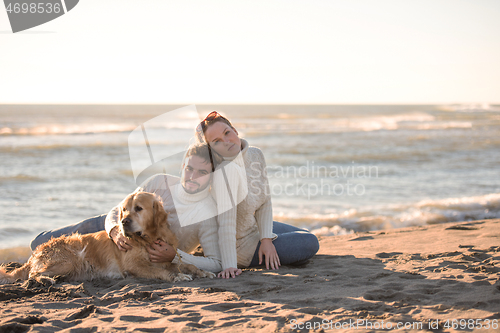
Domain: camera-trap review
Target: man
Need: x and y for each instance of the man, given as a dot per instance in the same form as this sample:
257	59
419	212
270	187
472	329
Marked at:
191	215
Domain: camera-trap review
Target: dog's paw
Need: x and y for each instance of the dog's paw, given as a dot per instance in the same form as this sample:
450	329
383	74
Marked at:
209	275
38	281
183	277
46	281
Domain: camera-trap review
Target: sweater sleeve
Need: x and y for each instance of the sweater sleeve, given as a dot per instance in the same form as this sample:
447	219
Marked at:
205	263
264	214
112	219
264	217
208	237
224	195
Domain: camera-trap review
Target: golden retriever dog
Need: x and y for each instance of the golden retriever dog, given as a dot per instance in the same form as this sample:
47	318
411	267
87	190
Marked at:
84	257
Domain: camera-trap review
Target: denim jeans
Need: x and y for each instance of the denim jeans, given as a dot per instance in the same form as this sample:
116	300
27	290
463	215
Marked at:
294	245
93	224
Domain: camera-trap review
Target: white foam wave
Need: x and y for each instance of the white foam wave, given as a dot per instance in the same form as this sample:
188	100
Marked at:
58	129
444	125
282	123
336	230
464	202
472	107
399	215
55	129
416	121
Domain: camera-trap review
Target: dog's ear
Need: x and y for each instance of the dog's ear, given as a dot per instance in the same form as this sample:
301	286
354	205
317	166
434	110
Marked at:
159	214
120	211
160	222
124	204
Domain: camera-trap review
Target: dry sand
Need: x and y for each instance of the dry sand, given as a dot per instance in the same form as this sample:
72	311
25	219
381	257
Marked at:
412	275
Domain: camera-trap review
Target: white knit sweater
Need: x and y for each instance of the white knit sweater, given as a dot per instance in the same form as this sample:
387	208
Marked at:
179	204
242	226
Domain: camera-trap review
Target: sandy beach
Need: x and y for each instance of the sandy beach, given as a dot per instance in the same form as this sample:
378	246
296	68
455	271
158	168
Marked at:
441	277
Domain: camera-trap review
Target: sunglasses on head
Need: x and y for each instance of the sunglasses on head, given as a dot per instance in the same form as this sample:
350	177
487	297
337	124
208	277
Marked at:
211	116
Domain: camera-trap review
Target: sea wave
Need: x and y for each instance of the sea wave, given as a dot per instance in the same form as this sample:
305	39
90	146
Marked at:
9	232
87	128
56	129
411	121
57	145
281	123
473	107
20	178
399	215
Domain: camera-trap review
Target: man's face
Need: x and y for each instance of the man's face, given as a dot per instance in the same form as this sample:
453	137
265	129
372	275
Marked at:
195	174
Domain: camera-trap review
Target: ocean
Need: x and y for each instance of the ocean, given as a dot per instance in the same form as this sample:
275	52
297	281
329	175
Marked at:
333	169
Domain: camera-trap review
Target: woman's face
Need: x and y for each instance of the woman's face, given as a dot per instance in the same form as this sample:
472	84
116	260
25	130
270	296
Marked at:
223	139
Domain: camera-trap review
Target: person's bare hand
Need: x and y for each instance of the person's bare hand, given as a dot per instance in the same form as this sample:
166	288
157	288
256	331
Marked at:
268	250
229	272
120	240
160	251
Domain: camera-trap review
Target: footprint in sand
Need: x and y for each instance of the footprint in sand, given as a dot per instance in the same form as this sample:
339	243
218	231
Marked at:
225	307
138	319
385	255
362	238
82	313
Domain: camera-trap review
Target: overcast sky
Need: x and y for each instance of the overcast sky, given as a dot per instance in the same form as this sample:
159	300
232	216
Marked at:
323	51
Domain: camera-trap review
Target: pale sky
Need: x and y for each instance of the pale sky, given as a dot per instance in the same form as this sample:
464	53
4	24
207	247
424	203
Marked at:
285	52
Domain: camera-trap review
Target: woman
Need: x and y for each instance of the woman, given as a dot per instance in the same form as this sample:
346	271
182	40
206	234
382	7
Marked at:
247	232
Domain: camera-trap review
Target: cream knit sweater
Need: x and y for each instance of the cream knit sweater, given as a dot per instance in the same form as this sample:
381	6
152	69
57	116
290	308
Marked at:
181	205
241	189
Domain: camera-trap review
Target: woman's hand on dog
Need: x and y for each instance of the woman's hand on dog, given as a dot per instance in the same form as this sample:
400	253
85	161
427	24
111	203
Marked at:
160	251
120	240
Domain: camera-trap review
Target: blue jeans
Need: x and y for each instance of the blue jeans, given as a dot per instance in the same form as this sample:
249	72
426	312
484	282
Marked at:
294	245
93	224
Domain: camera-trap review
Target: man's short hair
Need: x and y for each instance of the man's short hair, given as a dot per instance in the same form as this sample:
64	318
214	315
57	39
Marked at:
202	150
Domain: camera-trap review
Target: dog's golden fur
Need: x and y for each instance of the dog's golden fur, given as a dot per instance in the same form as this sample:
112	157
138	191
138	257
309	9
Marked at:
84	257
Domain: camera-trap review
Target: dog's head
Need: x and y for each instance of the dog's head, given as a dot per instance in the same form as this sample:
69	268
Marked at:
142	218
